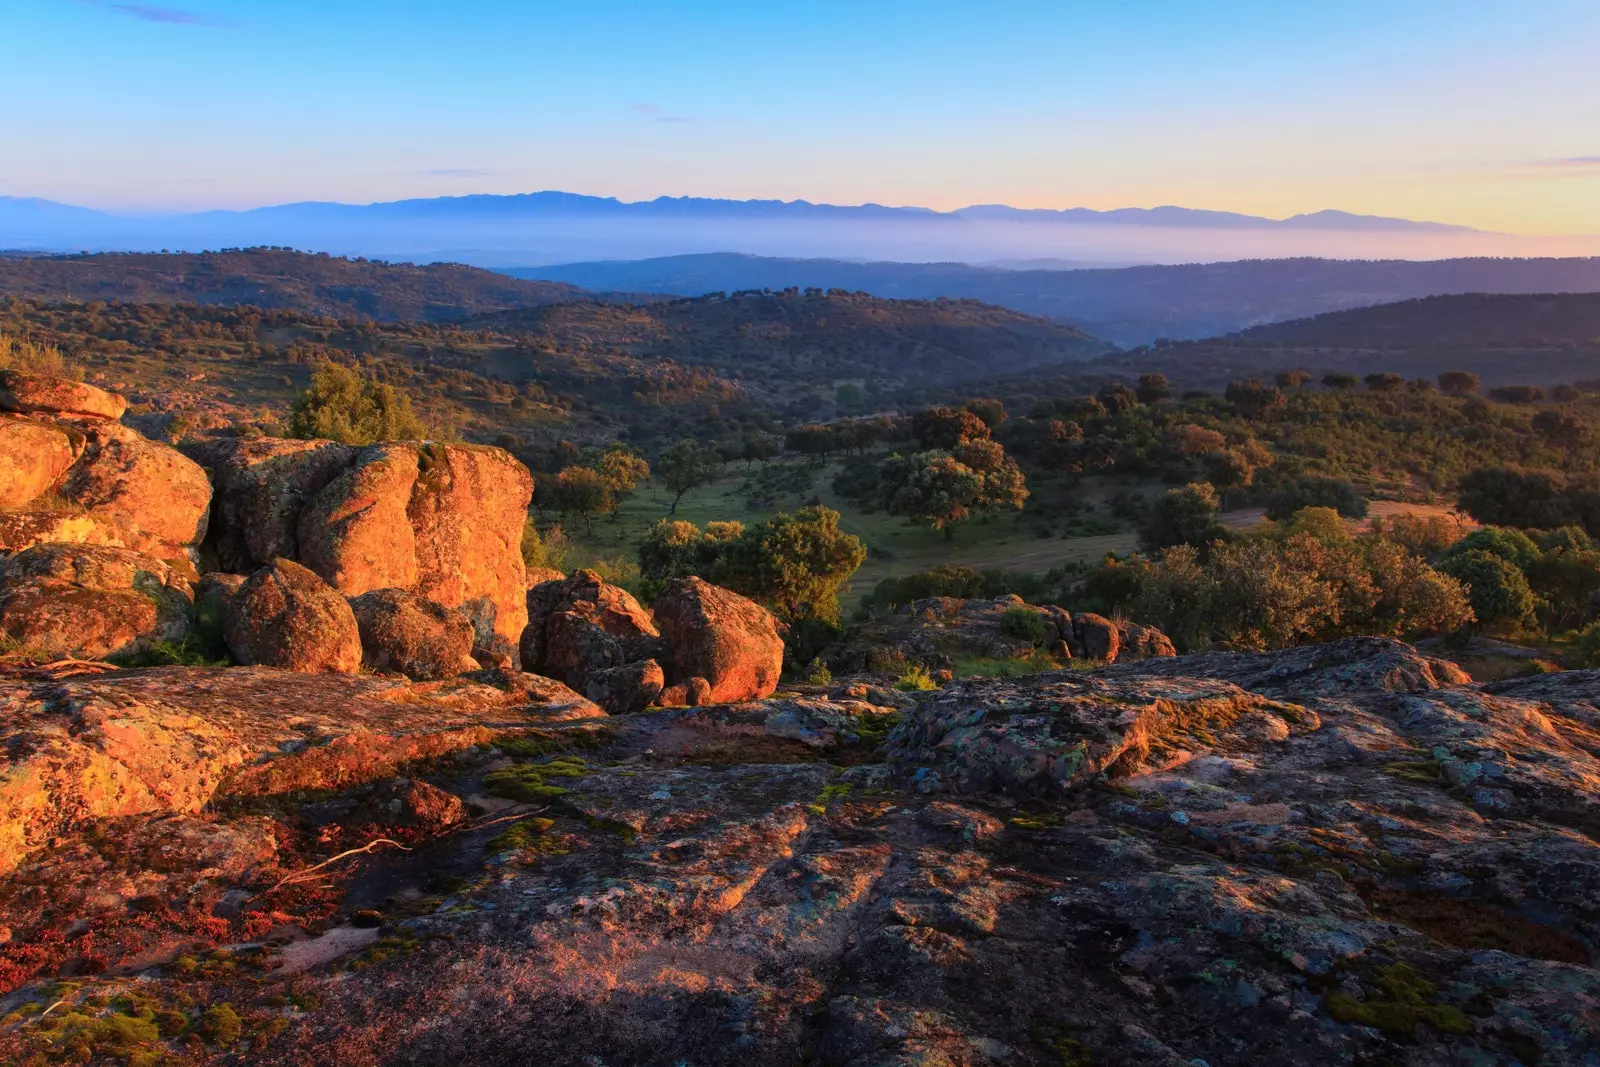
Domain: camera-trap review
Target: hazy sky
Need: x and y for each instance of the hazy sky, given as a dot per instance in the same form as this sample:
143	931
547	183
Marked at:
1479	112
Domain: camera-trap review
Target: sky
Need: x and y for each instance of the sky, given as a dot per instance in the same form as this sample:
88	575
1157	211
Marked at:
1475	112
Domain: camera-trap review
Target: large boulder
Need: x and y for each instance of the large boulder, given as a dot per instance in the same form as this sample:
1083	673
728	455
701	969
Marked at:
468	509
581	624
629	687
33	457
35	394
91	601
356	532
158	497
443	520
261	485
1098	636
285	616
404	633
1143	642
716	634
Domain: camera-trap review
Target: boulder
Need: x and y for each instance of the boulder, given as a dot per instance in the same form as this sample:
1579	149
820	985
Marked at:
540	575
33	457
404	633
575	647
159	498
285	616
630	687
261	485
1098	636
1143	642
91	601
408	804
356	533
1065	730
615	628
35	394
688	694
468	510
21	530
715	634
444	521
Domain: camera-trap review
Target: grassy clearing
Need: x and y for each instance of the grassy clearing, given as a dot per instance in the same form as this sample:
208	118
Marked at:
896	548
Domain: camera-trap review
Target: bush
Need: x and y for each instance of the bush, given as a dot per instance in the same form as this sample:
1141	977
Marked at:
1513	546
29	357
1190	515
1496	588
915	679
795	564
1317	492
342	405
1024	624
1586	647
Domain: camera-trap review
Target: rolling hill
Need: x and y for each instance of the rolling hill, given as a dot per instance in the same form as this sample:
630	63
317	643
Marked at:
1472	319
278	278
810	338
1127	306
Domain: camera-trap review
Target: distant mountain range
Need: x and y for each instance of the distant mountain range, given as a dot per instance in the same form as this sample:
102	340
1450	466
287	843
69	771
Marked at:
1127	306
556	227
18	212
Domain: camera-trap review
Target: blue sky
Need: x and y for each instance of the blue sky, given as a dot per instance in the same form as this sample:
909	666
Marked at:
1479	112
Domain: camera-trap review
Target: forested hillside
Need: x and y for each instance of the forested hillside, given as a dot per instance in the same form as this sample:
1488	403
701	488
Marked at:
1128	306
1488	320
278	278
790	336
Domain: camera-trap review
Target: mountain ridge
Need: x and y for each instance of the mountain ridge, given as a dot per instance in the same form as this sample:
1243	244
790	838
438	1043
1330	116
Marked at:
557	202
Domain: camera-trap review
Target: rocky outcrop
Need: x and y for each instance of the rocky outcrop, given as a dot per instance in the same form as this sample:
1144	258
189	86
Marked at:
158	498
1325	856
625	688
404	633
69	473
261	486
170	739
1097	635
33	457
34	394
91	601
285	616
582	625
716	634
443	521
1142	642
935	631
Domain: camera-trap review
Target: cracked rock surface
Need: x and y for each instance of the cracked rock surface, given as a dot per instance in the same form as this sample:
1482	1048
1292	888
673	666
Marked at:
1341	855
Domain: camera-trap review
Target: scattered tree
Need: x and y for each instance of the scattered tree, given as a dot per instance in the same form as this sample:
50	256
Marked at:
686	466
342	405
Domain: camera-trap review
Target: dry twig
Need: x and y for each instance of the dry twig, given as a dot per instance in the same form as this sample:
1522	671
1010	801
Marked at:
298	876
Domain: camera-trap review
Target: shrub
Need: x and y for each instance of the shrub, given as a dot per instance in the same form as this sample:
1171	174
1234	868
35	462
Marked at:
1024	624
342	405
914	679
29	357
1586	647
1496	588
1189	515
1513	546
795	564
1317	492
